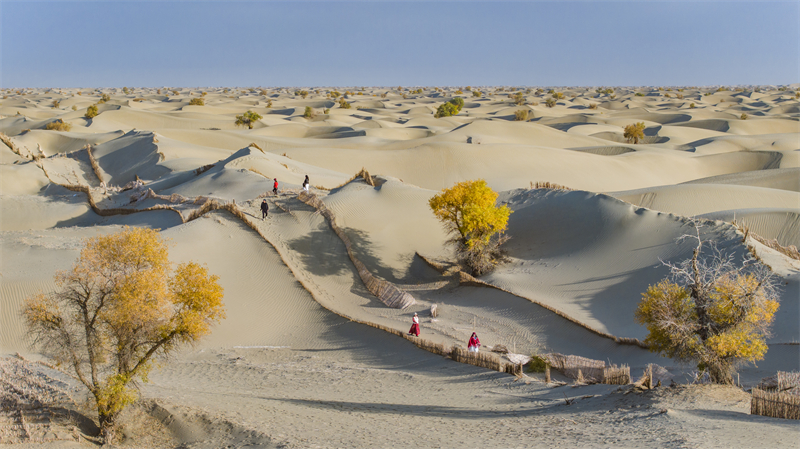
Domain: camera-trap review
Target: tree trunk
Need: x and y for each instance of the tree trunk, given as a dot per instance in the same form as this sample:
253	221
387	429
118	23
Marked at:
107	422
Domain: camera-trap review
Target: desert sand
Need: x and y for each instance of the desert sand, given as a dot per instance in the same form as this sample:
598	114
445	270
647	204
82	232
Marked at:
295	365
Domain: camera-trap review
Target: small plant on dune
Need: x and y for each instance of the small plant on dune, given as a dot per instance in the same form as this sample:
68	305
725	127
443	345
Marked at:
309	113
335	93
797	95
74	108
117	311
175	92
679	96
79	93
476	93
326	111
639	94
269	103
383	95
711	311
203	94
459	92
55	104
550	102
691	106
476	224
247	119
468	88
666	96
58	125
613	96
91	112
592	105
449	108
197	102
344	104
519	99
558	96
158	91
302	93
104	98
125	90
521	115
634	132
743	116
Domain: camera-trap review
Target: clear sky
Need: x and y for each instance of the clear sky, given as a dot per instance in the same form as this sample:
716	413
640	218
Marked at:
270	43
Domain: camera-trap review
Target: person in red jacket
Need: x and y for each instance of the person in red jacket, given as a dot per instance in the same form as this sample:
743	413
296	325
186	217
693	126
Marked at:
275	186
474	343
414	326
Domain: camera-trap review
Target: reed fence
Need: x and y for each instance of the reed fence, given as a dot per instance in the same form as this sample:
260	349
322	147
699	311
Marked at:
775	404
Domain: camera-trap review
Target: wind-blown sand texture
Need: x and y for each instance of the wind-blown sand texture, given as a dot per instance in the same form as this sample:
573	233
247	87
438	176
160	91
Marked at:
316	294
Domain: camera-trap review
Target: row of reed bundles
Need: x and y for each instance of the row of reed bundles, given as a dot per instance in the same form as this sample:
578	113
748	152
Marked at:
775	404
384	290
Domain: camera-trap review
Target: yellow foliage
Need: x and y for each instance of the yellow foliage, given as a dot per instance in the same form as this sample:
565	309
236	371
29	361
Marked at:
469	209
634	132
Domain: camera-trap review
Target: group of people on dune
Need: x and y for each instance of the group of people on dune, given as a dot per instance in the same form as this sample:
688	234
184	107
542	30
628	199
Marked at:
472	345
265	206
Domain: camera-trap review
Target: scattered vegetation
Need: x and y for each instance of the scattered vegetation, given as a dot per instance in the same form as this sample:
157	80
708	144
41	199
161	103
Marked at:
55	104
521	115
634	132
58	125
309	113
711	311
519	99
743	116
639	94
344	104
592	105
91	111
691	106
117	310
197	102
302	93
558	95
269	103
550	102
475	223
247	119
74	108
476	93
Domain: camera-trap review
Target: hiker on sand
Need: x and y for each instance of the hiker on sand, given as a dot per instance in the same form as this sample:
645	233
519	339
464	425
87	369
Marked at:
474	343
414	327
264	209
305	184
275	186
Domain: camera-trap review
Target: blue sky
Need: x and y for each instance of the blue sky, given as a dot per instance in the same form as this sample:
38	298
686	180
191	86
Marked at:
268	43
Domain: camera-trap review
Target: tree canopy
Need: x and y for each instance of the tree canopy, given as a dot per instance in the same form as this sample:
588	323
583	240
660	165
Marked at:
117	309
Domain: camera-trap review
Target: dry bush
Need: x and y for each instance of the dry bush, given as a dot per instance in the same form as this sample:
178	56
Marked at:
309	113
344	104
592	105
55	104
634	132
548	185
691	105
91	112
58	125
743	116
521	115
558	95
550	102
197	102
247	119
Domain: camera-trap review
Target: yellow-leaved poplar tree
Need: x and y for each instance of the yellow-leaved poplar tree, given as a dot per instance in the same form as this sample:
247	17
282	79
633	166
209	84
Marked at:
119	308
712	311
634	132
476	224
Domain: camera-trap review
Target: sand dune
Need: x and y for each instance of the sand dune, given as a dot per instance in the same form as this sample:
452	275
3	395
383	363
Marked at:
291	362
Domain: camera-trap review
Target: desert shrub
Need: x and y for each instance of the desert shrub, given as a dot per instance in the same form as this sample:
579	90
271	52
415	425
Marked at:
247	119
711	311
743	116
592	105
691	105
197	102
666	96
537	364
203	94
105	97
634	132
613	96
797	95
459	92
335	93
550	102
117	310
269	103
476	93
309	113
126	91
475	223
55	104
639	94
679	96
175	92
558	96
519	99
344	104
468	88
521	115
79	93
326	111
302	93
74	108
446	109
91	112
58	125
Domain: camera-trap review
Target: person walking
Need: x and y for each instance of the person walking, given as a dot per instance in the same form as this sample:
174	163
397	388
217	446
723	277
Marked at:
415	326
264	209
275	186
474	343
305	184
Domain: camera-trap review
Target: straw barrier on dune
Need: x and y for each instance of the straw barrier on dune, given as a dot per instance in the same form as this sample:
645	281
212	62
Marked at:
387	292
777	396
467	279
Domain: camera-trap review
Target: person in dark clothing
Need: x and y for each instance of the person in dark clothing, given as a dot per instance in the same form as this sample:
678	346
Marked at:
275	186
305	184
264	209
